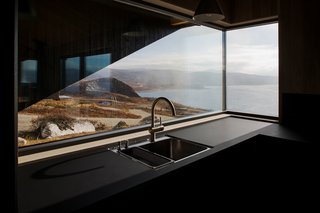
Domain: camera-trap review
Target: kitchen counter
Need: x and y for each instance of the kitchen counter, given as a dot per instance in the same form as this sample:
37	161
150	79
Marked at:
59	180
220	131
66	183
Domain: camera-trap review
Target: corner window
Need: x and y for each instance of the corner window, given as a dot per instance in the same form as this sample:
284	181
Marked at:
99	78
252	70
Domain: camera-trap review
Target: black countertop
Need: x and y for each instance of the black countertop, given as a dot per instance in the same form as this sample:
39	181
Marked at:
65	183
58	180
217	132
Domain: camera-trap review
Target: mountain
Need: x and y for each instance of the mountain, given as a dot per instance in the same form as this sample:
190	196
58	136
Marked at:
250	79
144	80
98	87
158	79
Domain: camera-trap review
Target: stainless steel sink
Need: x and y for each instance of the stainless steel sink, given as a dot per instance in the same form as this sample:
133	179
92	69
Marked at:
164	152
175	149
146	157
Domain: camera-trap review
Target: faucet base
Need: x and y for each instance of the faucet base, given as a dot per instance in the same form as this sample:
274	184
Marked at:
153	131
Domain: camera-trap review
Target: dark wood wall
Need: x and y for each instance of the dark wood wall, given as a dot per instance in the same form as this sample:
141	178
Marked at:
243	11
53	30
299	64
299	47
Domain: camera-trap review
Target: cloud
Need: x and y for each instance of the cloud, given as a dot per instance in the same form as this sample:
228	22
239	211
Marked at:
190	49
257	59
249	50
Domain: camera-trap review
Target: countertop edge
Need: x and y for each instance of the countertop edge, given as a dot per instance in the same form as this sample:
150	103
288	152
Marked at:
104	192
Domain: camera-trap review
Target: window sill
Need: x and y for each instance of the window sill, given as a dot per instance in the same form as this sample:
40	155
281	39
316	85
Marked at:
98	143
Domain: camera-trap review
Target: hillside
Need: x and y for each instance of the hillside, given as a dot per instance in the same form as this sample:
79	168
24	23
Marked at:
98	87
157	79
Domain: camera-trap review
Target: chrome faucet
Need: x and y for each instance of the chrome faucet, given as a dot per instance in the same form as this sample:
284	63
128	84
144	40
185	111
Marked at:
153	129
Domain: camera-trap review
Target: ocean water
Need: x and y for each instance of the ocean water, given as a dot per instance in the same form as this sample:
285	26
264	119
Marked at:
257	99
207	98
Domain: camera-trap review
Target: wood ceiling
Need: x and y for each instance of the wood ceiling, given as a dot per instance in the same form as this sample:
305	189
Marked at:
237	12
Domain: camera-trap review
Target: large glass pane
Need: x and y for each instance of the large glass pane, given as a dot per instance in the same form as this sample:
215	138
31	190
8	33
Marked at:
80	92
184	67
252	70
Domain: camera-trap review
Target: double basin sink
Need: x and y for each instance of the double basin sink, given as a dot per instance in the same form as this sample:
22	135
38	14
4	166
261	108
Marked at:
163	152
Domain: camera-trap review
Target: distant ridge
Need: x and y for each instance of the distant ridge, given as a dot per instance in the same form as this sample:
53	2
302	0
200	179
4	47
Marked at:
99	86
165	79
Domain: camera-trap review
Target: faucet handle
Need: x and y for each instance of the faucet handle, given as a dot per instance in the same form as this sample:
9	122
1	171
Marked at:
120	145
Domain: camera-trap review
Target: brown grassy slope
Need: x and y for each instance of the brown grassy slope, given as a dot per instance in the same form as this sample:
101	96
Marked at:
83	110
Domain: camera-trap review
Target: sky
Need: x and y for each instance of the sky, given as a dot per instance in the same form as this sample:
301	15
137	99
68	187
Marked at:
190	49
253	50
198	48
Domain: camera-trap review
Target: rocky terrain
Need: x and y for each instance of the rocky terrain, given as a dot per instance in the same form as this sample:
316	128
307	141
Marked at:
87	107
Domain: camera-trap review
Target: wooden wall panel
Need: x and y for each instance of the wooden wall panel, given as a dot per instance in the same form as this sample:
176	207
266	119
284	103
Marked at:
299	61
252	10
60	29
299	47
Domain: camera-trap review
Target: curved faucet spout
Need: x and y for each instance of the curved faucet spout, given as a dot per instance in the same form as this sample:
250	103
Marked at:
154	129
153	108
